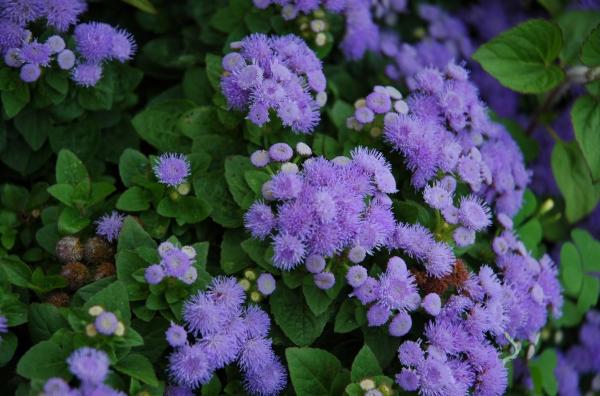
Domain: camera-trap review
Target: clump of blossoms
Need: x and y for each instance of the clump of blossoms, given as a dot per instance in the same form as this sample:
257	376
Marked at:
104	322
446	131
362	33
176	262
95	42
91	367
172	169
328	208
258	286
446	39
224	331
279	74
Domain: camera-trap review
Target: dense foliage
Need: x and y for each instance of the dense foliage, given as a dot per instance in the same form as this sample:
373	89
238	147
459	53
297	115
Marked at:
299	197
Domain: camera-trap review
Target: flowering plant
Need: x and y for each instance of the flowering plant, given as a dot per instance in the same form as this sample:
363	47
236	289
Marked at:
299	197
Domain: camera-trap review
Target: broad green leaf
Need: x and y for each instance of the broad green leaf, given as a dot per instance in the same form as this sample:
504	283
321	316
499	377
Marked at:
44	360
571	271
574	181
542	369
133	166
186	209
134	199
233	257
345	319
523	58
113	298
588	297
365	365
139	367
71	221
295	319
590	50
8	346
44	320
576	26
69	169
235	169
312	370
133	235
585	115
317	300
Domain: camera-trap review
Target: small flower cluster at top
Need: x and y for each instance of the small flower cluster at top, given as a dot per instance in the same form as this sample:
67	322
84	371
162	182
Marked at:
91	367
446	130
259	286
104	323
362	33
581	359
109	226
176	262
327	208
275	73
446	39
95	42
225	331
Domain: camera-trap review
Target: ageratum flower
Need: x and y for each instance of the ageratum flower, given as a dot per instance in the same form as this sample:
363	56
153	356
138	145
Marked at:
174	262
278	74
89	365
225	332
172	169
109	226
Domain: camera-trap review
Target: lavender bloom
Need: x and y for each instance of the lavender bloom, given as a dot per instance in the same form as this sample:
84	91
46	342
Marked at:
176	335
401	324
464	236
30	73
269	74
188	366
266	284
56	387
172	169
315	264
86	74
474	214
259	220
66	59
432	304
12	57
3	324
21	11
36	53
11	35
94	41
123	46
109	226
259	158
356	275
106	323
89	365
56	44
324	280
154	274
280	152
61	14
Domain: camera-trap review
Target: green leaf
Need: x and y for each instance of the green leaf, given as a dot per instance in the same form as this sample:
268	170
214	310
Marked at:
382	344
132	236
69	169
543	372
139	367
523	58
233	257
15	100
317	300
133	166
574	181
345	320
44	321
186	209
530	234
214	71
590	50
143	5
62	192
71	221
588	297
571	271
16	271
42	361
365	365
585	115
589	250
312	370
576	26
235	168
213	388
295	318
8	346
113	298
34	126
157	125
134	199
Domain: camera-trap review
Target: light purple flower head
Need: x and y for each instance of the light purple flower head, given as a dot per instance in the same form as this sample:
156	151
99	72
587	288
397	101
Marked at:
56	387
356	275
154	274
189	366
12	57
172	169
123	46
259	220
266	284
86	74
94	41
260	158
66	59
21	11
315	263
400	324
473	213
281	152
463	236
61	14
89	365
109	226
106	323
176	335
324	280
432	304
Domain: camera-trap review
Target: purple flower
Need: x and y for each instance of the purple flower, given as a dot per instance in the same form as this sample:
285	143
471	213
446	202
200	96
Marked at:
367	292
189	366
401	324
288	251
21	11
56	387
56	44
123	46
463	236
154	274
106	323
233	62
259	220
357	254
61	14
280	152
11	35
3	324
172	169
356	275
175	262
260	158
12	57
255	354
66	59
89	365
176	335
202	315
432	304
109	226
379	102
437	196
30	72
408	380
364	115
473	213
86	74
410	354
324	280
94	41
315	263
257	321
266	284
268	381
378	315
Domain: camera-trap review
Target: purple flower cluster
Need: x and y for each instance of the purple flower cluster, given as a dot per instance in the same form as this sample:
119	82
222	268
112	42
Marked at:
447	129
109	226
581	359
446	39
224	332
325	209
176	262
104	322
90	366
172	169
362	33
275	73
394	295
94	42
